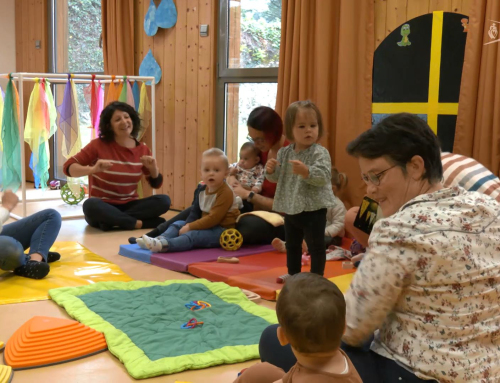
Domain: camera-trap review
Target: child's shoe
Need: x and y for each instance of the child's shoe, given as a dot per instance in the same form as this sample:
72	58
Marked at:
153	244
52	256
278	245
282	278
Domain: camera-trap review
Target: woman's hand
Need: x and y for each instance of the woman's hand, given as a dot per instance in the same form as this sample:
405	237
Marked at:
9	200
240	191
101	166
150	164
271	165
184	229
298	167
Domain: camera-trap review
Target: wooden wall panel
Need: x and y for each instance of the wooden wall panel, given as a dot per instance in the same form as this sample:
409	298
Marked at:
31	25
185	96
390	14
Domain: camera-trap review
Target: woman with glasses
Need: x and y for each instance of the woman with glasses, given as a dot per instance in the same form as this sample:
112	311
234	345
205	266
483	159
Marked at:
265	130
428	286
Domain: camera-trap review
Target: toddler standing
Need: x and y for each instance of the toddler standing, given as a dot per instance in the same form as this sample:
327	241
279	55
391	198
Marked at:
213	211
303	173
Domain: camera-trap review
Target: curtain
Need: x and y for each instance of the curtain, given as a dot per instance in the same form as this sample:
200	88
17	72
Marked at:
118	36
326	55
478	122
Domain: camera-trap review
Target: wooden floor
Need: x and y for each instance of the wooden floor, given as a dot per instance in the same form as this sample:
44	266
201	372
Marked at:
103	367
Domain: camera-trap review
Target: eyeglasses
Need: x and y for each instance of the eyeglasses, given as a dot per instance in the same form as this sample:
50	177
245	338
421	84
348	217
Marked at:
258	140
374	178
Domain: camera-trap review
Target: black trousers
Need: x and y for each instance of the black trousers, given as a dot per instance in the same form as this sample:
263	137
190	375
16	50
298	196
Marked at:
106	216
257	231
371	367
308	225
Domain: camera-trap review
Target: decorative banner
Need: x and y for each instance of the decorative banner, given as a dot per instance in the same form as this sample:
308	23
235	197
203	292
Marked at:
144	112
166	14
149	67
94	95
40	126
69	122
422	76
150	26
11	159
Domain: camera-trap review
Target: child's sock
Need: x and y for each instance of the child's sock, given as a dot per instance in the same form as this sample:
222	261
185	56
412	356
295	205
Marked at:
282	278
52	256
33	270
141	243
279	245
154	244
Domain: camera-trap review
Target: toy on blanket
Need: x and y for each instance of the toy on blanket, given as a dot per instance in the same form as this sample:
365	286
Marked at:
71	198
231	239
44	341
197	305
192	323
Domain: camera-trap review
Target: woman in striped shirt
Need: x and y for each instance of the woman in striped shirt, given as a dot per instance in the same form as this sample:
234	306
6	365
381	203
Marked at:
115	163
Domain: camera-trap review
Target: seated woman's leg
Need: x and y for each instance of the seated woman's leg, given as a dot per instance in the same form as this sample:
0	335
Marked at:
359	235
37	232
104	216
149	209
271	351
257	231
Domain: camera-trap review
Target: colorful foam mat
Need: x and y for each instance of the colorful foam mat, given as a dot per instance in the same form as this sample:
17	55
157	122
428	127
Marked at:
181	261
77	266
258	273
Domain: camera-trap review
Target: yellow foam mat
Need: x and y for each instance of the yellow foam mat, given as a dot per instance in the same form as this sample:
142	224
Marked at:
343	282
78	266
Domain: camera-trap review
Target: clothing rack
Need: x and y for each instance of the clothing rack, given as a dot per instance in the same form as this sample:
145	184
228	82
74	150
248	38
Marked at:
62	78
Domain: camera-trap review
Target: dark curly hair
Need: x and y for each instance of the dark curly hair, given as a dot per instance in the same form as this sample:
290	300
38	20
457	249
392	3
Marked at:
265	119
106	131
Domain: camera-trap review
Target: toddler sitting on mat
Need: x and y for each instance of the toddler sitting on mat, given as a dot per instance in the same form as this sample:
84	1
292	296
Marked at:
214	211
311	314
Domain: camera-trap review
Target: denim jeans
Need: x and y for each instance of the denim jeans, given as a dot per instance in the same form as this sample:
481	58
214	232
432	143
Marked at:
308	225
192	239
38	232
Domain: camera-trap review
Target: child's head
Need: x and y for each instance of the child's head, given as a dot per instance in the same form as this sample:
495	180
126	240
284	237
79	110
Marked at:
214	167
249	155
303	123
311	313
339	180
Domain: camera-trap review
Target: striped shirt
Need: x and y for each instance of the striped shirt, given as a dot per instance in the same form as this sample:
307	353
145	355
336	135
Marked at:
117	185
466	172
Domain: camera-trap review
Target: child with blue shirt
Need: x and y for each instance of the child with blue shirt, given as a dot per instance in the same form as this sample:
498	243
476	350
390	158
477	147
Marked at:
304	193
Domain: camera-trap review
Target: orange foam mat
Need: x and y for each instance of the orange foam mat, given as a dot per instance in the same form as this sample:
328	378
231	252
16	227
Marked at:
257	273
44	341
78	266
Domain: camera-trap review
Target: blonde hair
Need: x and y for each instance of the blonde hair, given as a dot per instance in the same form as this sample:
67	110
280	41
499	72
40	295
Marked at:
216	152
291	114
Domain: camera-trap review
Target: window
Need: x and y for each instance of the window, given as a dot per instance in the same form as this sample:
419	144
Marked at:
76	48
249	41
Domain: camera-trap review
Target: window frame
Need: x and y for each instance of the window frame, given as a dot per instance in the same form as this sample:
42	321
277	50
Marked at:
226	75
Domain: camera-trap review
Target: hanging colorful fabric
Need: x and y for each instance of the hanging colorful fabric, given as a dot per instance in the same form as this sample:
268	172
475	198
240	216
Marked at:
1	118
113	92
11	159
40	126
94	97
137	95
69	123
144	111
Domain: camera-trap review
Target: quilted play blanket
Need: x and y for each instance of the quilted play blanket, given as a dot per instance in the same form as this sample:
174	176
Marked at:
142	323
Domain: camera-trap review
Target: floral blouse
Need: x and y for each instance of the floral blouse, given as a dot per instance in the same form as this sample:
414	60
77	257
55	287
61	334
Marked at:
429	283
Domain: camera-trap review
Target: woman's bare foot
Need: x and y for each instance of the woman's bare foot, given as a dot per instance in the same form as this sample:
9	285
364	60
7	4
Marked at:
138	224
36	257
278	245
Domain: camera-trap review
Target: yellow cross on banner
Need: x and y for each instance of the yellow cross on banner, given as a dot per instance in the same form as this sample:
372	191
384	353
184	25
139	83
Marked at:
432	108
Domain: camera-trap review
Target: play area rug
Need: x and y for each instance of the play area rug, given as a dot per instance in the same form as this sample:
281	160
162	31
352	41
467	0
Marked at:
142	323
181	261
258	273
77	266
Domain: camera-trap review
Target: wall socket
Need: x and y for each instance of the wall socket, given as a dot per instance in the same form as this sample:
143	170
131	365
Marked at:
38	44
204	30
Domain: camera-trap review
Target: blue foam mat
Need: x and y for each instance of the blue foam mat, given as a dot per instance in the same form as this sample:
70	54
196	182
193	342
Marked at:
135	252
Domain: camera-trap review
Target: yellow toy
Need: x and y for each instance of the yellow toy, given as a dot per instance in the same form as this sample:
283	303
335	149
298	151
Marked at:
231	239
5	374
